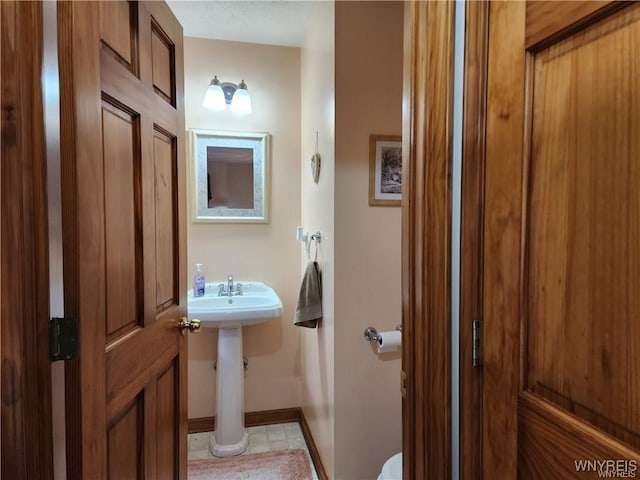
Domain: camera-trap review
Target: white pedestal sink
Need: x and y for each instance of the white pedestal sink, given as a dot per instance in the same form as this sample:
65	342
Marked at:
258	303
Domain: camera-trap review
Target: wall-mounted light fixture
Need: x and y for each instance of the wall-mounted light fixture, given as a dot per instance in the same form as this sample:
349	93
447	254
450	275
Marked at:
220	96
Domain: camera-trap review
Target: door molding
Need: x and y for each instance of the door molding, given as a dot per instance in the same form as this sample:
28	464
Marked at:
426	238
26	371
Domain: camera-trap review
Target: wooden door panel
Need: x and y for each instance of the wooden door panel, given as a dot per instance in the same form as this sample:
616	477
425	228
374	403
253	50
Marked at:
167	423
118	25
124	440
166	196
162	63
121	164
582	233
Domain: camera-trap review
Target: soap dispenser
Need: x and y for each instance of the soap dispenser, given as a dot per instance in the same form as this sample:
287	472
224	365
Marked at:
198	282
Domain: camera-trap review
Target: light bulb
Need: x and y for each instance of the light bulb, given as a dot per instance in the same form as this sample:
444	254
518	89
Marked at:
214	96
241	102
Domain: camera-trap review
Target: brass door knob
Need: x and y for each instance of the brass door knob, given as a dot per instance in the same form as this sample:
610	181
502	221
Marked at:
185	325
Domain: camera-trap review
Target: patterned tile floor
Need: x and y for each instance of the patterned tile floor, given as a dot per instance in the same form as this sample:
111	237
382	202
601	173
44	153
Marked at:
280	436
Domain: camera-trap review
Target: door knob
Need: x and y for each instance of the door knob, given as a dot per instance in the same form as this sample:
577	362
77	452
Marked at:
185	325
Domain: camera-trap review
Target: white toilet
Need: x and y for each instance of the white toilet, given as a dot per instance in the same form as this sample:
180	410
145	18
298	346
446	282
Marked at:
392	468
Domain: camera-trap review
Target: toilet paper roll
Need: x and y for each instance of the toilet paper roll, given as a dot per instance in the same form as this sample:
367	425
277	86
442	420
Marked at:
389	341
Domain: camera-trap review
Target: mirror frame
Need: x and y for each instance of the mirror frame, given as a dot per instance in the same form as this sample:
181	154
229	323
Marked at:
259	143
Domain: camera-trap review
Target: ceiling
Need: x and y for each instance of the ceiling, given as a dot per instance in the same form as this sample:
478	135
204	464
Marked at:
269	22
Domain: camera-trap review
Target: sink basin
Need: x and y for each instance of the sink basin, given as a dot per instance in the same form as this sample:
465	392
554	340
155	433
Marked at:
258	303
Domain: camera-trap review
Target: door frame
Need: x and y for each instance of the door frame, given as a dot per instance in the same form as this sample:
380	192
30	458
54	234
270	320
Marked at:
427	215
26	371
427	133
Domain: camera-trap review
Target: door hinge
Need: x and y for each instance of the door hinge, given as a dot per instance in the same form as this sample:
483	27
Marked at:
63	339
403	383
476	343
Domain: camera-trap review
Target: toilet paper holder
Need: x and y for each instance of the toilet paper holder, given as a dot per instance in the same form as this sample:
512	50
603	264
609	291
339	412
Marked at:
371	334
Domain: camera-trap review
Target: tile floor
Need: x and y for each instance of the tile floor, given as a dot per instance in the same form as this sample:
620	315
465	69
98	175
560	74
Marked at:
265	438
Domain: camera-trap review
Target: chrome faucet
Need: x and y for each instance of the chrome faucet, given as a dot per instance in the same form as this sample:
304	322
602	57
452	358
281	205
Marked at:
227	290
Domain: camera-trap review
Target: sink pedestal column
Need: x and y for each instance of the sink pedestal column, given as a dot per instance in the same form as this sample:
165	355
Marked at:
229	437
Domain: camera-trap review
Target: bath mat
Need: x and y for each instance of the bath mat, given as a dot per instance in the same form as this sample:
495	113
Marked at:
278	465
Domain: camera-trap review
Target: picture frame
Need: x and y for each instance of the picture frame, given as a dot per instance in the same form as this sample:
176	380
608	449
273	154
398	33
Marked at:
229	176
385	170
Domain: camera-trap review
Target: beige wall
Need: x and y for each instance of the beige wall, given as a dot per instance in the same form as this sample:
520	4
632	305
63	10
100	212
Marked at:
268	253
318	214
368	422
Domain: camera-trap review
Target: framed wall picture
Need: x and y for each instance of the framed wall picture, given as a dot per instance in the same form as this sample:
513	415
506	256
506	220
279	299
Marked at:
385	170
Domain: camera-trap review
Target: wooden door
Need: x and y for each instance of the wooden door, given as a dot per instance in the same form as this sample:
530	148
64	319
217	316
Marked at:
561	382
123	161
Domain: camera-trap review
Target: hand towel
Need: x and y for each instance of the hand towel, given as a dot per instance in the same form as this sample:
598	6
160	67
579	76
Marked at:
309	307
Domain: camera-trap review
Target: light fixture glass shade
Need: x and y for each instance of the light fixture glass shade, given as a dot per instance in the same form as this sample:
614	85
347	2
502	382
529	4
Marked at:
214	97
241	102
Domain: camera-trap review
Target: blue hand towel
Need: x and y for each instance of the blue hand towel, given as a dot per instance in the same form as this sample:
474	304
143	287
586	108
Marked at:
309	307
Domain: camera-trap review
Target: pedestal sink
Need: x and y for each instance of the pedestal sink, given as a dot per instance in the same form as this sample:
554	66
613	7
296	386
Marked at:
229	313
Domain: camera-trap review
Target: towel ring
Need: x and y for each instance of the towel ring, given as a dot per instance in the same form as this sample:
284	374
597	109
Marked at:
316	238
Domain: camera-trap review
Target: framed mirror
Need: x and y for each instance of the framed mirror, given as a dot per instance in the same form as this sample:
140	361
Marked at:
230	176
